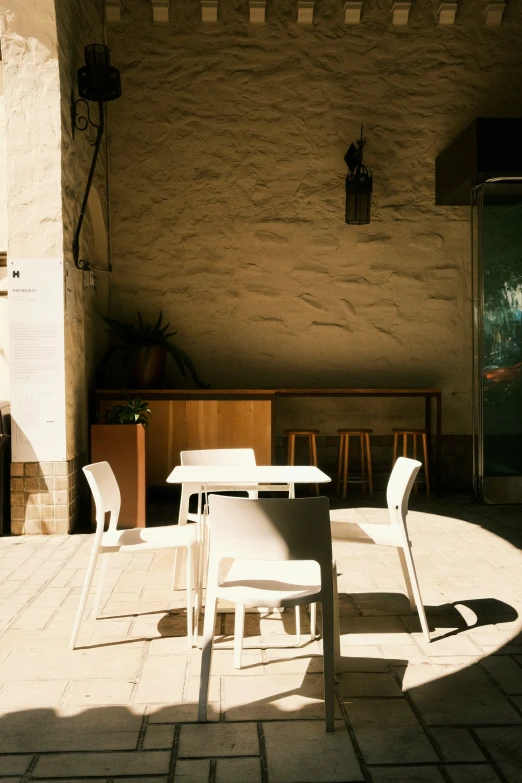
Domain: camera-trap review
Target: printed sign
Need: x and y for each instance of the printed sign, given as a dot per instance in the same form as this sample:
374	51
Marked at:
36	315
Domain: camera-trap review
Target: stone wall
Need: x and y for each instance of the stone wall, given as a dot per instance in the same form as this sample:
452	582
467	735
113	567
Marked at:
228	196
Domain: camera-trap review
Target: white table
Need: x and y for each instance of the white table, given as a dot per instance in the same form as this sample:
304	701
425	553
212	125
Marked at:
247	475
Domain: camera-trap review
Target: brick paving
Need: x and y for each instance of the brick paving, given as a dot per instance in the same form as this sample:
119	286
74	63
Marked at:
123	706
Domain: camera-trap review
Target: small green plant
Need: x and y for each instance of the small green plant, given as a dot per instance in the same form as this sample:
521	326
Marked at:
131	412
146	335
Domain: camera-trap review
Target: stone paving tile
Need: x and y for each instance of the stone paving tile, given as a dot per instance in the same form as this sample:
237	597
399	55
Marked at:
407	775
69	729
357	684
14	765
192	771
505	672
304	752
505	747
162	680
32	693
66	765
388	731
448	696
247	770
273	697
158	737
457	744
221	739
98	692
472	773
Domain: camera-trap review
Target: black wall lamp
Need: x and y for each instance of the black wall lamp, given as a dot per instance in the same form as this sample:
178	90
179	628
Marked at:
359	185
98	81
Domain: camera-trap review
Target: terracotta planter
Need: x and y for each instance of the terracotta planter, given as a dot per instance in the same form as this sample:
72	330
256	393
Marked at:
148	367
123	447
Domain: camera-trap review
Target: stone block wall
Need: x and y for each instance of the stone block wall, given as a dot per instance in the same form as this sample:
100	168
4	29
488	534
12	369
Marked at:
44	497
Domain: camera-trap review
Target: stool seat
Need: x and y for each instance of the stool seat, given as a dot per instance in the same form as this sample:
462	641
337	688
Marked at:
301	432
355	432
312	447
409	432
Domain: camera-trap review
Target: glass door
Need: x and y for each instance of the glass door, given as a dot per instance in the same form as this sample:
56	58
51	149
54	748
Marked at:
497	325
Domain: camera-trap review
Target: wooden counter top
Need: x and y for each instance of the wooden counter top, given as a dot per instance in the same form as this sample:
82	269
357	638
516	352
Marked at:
165	394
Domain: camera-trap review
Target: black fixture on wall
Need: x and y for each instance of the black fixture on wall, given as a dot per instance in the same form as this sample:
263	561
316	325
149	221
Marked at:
98	81
359	185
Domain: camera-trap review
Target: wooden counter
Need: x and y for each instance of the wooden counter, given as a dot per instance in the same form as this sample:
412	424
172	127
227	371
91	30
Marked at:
235	418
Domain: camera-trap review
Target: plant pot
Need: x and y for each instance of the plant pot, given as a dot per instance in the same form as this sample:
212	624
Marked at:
123	447
148	367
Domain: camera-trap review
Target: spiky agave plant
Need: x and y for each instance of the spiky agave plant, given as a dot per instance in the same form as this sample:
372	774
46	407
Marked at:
134	338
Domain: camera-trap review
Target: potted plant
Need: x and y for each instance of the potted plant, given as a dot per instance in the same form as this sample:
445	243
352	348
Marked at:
143	349
118	438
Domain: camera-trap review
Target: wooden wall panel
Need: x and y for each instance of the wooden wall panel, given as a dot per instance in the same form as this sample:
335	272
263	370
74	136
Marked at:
178	425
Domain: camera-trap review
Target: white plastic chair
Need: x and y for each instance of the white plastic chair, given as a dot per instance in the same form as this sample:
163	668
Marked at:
284	560
224	457
107	498
393	534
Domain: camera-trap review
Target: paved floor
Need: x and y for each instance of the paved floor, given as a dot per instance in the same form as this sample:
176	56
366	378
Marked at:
123	706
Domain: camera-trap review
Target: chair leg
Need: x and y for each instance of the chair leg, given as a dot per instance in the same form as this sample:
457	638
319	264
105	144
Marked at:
407	580
99	588
369	462
239	632
329	659
190	604
426	463
297	626
206	655
83	600
313	621
416	593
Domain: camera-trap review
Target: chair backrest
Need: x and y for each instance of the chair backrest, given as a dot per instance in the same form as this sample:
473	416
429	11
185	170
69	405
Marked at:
106	493
270	529
399	487
218	457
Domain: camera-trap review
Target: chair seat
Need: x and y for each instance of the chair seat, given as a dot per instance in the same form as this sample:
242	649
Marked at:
141	538
345	529
271	583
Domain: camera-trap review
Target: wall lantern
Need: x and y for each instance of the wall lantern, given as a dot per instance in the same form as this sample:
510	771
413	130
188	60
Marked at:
358	185
97	81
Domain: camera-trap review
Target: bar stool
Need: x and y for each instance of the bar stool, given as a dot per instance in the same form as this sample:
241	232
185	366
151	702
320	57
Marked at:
414	435
312	447
344	449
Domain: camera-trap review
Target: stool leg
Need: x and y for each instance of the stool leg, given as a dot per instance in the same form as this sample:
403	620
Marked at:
369	463
340	463
426	465
363	474
404	445
395	446
345	466
313	443
415	483
291	448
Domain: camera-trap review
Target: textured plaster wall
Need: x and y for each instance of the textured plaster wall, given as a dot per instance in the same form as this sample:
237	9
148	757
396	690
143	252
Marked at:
228	195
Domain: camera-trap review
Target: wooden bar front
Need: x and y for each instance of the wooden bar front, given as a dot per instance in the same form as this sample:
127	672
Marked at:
231	422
